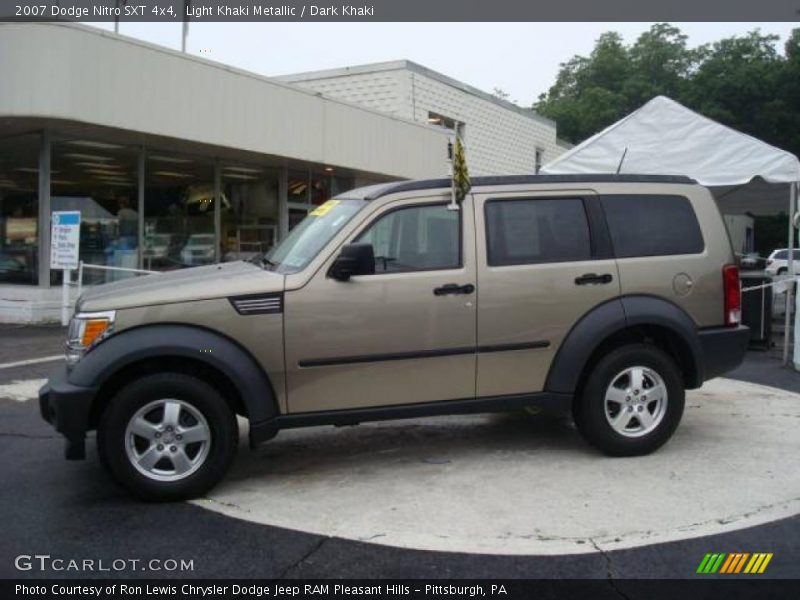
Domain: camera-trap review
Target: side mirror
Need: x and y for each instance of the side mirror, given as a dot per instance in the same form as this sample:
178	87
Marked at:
354	259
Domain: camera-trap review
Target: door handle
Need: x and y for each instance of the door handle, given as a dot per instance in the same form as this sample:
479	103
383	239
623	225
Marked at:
593	278
453	288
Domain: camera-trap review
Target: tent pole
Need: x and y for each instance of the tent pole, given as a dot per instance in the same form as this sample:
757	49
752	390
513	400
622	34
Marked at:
790	286
795	188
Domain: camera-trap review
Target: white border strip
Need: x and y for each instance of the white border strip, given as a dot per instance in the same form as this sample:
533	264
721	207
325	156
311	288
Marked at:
32	361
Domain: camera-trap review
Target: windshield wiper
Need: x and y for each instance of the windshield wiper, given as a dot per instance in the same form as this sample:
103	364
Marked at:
262	261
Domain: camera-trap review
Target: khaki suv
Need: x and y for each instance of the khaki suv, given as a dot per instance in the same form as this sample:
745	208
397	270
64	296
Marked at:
604	296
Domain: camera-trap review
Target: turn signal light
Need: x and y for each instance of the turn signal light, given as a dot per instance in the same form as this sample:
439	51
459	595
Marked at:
92	330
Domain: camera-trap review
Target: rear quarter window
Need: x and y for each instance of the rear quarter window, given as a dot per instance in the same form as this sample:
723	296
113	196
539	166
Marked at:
652	225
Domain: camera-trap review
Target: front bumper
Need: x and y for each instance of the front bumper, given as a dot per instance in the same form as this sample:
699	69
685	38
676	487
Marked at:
724	349
67	407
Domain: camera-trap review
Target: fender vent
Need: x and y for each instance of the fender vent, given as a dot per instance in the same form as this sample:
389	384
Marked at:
258	304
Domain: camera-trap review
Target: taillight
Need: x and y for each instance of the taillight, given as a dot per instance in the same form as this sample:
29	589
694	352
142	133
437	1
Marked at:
733	295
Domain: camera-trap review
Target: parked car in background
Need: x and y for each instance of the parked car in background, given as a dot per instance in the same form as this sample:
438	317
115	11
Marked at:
752	262
199	250
778	261
13	270
601	296
157	246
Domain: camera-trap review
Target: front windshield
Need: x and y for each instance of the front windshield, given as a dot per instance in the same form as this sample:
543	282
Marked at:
310	236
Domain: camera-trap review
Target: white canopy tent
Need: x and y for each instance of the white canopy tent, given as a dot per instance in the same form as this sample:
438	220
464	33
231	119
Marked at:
664	137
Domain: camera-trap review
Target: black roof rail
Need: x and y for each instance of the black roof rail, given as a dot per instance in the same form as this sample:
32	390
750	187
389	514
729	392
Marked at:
376	191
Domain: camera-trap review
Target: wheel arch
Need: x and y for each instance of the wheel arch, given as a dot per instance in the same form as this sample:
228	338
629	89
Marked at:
628	319
203	353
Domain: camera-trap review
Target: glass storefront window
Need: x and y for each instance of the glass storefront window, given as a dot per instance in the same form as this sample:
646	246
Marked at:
308	189
299	187
98	179
19	193
179	212
340	185
250	219
320	188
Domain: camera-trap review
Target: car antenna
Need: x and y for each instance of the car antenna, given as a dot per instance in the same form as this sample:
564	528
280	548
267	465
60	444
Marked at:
622	160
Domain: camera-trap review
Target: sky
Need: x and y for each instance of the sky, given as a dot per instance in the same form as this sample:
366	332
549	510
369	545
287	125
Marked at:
520	58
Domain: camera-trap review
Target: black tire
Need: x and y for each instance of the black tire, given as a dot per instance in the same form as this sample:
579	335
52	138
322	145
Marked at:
589	409
782	271
224	435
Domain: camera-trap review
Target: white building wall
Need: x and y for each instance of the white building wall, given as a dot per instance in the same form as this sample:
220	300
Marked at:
384	91
86	75
500	138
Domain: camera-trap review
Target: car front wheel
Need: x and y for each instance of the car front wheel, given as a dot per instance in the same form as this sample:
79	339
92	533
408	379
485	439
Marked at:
167	436
631	402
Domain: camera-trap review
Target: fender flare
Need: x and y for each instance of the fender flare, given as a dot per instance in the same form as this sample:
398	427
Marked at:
185	341
611	317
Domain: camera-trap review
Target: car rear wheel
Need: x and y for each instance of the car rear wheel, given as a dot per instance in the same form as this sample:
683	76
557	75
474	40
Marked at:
631	402
167	436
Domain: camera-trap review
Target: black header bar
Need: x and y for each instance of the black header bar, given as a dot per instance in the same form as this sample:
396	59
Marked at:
402	589
399	10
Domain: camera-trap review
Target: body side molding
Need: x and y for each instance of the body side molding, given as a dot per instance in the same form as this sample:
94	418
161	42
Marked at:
437	352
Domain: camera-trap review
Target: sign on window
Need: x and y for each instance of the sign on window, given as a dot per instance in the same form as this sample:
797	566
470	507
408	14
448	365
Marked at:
65	236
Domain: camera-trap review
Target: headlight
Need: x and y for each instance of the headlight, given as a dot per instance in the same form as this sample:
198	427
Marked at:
85	331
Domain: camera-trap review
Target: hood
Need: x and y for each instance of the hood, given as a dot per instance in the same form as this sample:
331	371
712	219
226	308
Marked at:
197	283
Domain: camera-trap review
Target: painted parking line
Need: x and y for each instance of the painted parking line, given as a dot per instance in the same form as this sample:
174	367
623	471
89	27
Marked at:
22	390
31	361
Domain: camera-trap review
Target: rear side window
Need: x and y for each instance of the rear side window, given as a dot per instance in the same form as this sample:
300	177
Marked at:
650	225
526	231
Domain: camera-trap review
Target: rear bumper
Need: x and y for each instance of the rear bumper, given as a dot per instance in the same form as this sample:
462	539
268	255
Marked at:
67	407
724	349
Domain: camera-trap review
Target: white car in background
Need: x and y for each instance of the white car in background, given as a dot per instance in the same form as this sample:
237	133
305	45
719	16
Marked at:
778	262
199	250
157	246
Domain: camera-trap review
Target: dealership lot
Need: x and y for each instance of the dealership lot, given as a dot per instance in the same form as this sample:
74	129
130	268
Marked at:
460	497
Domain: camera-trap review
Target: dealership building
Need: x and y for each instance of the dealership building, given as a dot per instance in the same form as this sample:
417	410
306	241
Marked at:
175	161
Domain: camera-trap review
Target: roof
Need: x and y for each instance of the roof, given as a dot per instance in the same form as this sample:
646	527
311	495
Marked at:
665	137
373	192
408	65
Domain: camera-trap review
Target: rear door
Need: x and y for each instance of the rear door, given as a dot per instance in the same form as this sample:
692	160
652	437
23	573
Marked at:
544	261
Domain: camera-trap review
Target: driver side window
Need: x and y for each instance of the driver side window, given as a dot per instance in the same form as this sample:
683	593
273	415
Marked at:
415	238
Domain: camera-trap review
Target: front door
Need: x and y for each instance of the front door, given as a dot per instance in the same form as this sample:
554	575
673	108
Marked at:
406	334
547	263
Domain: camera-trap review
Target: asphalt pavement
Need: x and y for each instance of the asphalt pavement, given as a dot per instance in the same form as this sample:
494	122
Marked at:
71	510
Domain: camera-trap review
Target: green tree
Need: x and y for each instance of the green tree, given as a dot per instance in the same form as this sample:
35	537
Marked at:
743	82
737	85
588	92
660	64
